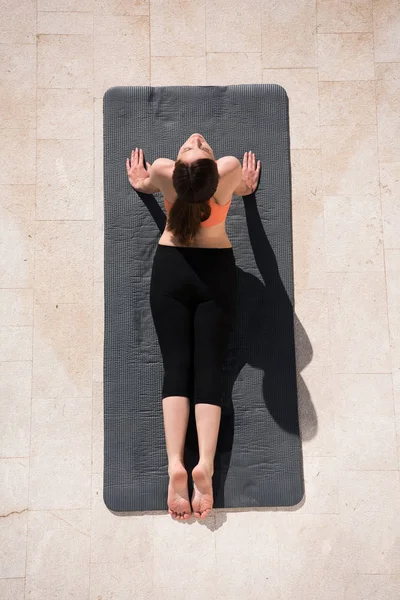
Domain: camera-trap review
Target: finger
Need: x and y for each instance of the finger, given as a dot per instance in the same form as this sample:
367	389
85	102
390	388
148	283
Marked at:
141	156
127	164
258	166
245	161
133	157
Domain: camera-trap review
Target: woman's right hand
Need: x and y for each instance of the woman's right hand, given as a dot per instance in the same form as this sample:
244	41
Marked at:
250	173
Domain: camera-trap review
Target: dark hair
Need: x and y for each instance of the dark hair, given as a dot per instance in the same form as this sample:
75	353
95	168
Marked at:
194	183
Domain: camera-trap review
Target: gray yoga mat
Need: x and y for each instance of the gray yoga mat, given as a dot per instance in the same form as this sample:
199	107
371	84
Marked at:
258	462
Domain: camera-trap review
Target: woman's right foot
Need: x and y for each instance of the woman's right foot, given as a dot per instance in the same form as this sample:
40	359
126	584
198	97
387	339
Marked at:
178	495
202	498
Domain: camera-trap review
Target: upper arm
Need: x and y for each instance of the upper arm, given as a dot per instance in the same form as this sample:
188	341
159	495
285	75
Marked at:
158	170
230	170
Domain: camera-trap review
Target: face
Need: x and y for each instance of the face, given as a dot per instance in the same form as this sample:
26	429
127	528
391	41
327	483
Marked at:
194	148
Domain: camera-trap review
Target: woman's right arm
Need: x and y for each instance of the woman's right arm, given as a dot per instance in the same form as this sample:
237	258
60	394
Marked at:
247	177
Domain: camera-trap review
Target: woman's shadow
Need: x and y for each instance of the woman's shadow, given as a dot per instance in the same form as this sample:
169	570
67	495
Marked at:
263	337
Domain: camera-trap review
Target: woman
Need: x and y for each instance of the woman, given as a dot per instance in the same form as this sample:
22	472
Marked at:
192	298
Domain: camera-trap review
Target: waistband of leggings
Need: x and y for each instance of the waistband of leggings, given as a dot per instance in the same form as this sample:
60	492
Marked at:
192	249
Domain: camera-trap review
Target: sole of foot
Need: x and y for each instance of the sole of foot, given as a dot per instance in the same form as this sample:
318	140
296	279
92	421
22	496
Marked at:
178	496
202	498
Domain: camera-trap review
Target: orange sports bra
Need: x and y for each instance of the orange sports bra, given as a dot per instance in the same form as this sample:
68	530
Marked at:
218	212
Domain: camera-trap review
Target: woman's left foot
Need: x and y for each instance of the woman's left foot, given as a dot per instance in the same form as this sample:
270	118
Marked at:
178	496
202	498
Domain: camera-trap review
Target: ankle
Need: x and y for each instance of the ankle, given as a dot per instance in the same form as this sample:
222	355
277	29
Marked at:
175	463
208	464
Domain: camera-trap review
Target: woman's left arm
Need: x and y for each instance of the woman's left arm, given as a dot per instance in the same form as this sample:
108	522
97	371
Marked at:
141	179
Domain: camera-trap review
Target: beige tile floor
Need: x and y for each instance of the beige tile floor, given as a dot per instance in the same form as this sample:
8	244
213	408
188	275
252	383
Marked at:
340	65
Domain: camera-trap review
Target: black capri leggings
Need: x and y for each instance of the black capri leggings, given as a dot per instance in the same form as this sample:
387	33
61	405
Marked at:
193	301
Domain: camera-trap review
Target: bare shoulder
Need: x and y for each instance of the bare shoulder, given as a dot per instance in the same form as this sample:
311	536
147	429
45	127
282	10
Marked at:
228	165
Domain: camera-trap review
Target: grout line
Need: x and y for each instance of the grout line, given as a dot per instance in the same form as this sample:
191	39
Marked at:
33	300
93	299
150	55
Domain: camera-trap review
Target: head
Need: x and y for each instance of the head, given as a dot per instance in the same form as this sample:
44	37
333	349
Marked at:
195	179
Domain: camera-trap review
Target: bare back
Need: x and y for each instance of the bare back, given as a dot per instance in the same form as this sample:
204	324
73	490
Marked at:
207	237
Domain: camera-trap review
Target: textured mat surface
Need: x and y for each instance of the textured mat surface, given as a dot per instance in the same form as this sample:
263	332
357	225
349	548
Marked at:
258	461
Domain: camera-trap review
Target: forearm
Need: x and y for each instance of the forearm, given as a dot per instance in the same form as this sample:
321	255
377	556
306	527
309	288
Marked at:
146	187
242	189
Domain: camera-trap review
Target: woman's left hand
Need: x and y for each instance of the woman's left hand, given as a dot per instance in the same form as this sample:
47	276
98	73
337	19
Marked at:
135	169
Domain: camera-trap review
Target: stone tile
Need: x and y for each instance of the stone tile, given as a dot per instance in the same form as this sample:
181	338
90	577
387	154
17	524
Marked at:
312	314
114	62
58	554
64	180
309	556
178	70
392	257
120	539
15	408
349	160
175	593
321	475
98	429
239	29
346	56
61	451
358	323
65	61
64	114
308	244
18	86
390	193
353	233
14	474
347	103
18	156
316	411
387	31
396	394
178	28
255	568
18	22
62	351
16	307
369	587
98	244
366	433
122	580
301	86
344	17
388	109
283	21
12	588
66	5
98	160
369	521
175	568
307	219
98	330
122	7
306	175
15	343
13	535
233	68
64	262
17	231
64	22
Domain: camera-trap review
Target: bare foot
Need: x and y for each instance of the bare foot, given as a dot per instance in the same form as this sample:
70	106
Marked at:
202	498
178	496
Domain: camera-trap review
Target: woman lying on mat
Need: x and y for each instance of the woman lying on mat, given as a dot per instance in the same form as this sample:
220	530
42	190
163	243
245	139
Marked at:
192	299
